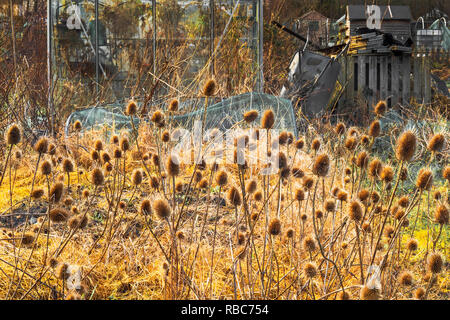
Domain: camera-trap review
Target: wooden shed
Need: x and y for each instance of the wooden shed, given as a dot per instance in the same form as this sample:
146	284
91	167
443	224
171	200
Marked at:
378	62
395	20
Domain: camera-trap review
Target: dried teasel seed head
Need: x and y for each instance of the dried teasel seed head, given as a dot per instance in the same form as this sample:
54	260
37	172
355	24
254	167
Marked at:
435	262
424	179
56	192
380	108
419	294
406	146
309	244
362	160
299	144
165	136
436	143
251	186
375	129
387	174
124	144
412	244
363	195
369	293
209	89
308	182
441	214
250	116
222	178
145	207
97	177
98	145
297	172
41	145
446	173
275	227
137	177
350	143
115	139
117	153
355	211
59	215
340	128
173	105
342	196
161	209
77	126
13	135
330	205
94	155
283	137
310	269
157	117
375	167
173	165
258	196
37	193
131	108
299	195
234	197
67	165
46	168
315	144
321	165
268	119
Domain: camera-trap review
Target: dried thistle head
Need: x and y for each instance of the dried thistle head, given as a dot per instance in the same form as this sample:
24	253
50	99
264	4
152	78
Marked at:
441	214
67	165
41	145
222	178
375	167
315	144
436	143
97	177
209	89
355	211
131	108
56	192
77	126
299	194
275	227
137	177
173	105
340	128
375	129
310	270
268	119
13	135
161	209
250	116
435	262
380	108
234	197
173	165
406	146
46	168
59	215
424	179
387	174
321	165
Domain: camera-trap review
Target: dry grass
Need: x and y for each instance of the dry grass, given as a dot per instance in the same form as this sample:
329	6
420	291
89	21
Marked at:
212	246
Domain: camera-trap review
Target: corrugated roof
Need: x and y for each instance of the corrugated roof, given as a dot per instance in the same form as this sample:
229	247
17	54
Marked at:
359	12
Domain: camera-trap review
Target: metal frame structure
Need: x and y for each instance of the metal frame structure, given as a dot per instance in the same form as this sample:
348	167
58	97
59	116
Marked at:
214	38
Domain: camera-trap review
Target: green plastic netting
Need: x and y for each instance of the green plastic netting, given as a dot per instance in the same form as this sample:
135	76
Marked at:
222	115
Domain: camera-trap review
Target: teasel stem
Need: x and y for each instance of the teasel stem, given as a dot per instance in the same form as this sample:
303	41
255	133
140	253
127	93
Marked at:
438	236
6	164
387	215
318	239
